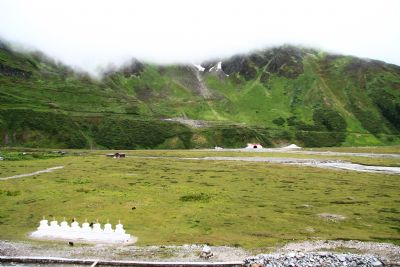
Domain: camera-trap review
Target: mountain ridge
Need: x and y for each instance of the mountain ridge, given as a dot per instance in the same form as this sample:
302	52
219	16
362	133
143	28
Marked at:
274	96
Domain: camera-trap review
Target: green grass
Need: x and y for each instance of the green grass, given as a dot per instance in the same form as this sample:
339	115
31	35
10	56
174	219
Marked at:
369	149
38	97
188	201
12	155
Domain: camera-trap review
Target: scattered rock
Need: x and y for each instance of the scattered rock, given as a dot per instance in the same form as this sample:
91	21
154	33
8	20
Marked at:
189	122
14	72
291	254
341	258
332	217
376	263
305	206
312	259
310	230
389	254
206	252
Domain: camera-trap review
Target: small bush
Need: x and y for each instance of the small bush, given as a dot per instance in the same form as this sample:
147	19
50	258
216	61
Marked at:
195	197
279	121
370	121
82	190
81	181
9	193
135	134
16	156
329	129
53	128
386	102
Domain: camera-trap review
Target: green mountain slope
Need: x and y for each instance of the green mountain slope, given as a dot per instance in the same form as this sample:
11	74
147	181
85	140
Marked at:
276	96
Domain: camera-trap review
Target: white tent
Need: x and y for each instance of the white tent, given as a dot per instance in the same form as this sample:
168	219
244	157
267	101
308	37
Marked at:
254	146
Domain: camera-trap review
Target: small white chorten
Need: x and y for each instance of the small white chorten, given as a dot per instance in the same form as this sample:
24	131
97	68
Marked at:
108	228
84	233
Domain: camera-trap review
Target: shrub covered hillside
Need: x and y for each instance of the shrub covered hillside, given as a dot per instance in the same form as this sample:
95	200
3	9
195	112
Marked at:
275	96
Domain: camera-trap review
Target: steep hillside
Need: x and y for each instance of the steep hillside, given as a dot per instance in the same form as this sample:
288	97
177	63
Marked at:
280	95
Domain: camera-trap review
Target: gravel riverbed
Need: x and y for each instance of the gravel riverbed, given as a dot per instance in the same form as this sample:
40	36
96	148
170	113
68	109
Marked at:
313	259
318	163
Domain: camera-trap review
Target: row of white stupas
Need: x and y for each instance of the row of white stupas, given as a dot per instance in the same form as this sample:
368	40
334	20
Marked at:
257	146
84	233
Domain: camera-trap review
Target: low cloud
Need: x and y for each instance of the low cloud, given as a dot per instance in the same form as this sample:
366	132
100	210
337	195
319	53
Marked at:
93	34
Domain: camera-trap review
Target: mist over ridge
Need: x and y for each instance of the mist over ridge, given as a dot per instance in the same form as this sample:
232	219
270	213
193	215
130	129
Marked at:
93	34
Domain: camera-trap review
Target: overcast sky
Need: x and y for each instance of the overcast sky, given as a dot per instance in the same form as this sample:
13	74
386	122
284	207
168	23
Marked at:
87	34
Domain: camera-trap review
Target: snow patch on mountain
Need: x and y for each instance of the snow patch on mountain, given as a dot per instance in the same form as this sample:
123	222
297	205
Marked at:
199	67
217	67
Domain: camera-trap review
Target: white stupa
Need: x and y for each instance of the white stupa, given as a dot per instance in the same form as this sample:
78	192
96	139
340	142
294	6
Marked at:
86	227
97	228
44	224
64	225
75	226
54	227
54	231
108	228
291	147
119	229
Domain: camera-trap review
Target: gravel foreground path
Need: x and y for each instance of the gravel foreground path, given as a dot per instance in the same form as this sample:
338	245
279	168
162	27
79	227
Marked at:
32	173
308	253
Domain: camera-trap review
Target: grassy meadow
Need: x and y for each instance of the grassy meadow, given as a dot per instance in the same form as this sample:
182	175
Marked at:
173	201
